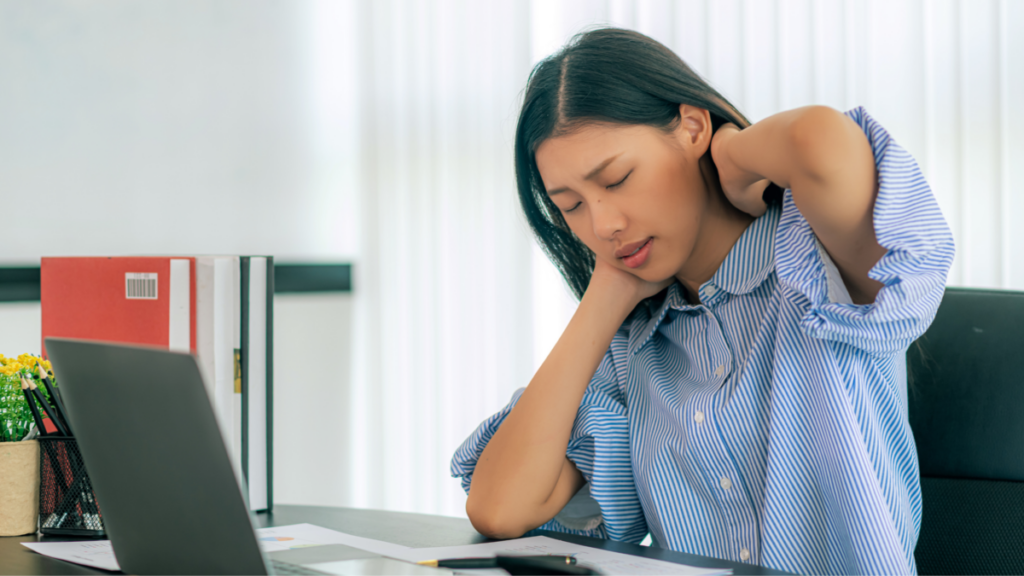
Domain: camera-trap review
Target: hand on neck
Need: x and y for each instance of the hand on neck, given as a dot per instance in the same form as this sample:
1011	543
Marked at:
721	226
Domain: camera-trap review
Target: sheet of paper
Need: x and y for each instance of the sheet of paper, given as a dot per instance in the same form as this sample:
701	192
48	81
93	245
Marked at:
611	563
99	553
305	535
94	553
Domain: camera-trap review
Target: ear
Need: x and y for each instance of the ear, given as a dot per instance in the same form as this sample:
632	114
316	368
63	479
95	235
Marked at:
694	132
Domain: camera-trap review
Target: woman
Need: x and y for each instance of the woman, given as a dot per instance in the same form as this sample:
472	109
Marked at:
733	381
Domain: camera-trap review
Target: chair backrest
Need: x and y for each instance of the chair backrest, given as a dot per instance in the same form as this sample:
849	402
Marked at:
966	408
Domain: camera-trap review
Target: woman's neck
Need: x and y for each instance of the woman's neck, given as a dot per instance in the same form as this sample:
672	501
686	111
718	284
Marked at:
721	226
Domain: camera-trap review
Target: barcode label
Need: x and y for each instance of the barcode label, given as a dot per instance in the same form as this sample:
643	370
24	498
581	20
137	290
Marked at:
140	286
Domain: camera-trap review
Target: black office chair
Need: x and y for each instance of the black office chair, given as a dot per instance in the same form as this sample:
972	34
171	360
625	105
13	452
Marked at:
966	407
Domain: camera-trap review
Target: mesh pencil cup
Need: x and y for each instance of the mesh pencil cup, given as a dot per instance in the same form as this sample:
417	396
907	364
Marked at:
67	503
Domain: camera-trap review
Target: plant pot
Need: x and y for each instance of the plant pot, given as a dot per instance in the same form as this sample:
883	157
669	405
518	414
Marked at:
19	487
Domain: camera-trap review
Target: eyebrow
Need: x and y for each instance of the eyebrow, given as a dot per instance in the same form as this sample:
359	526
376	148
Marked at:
590	176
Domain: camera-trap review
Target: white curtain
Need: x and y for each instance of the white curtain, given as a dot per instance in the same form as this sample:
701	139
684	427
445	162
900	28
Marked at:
442	283
456	307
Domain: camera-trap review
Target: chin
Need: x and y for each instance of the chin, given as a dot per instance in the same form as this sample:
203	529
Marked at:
653	275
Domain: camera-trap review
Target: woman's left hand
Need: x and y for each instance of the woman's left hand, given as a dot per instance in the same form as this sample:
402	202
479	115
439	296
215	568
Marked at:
743	189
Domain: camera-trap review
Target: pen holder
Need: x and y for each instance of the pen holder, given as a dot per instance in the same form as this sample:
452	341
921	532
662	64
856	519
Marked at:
67	504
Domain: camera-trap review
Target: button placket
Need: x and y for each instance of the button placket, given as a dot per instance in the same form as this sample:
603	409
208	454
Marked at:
702	333
729	491
720	357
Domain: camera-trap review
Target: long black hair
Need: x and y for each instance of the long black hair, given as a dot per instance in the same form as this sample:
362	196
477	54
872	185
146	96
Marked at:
607	75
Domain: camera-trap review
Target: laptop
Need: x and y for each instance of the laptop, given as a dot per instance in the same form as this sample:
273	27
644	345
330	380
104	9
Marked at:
170	499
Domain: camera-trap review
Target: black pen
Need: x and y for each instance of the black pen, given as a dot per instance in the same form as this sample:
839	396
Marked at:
58	404
46	406
541	565
492	562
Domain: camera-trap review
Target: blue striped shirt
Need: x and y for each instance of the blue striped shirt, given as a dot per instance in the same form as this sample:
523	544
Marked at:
769	423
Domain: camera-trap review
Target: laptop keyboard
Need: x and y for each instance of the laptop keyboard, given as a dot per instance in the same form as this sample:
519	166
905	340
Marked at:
279	567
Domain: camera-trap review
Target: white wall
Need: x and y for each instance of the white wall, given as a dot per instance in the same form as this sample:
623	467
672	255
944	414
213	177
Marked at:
312	377
20	328
166	126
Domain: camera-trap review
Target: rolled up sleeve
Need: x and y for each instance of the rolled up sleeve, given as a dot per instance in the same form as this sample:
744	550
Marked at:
919	252
599	447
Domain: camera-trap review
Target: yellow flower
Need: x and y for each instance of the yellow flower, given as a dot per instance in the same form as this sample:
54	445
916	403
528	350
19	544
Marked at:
11	366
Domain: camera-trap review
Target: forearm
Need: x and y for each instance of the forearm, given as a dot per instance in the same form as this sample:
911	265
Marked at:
777	147
514	484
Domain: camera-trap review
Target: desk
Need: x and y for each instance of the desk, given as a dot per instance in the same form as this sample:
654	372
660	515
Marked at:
415	530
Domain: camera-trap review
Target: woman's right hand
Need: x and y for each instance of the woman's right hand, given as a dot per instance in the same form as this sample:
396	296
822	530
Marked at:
625	284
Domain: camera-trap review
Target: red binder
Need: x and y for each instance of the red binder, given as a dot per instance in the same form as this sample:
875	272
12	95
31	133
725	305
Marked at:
220	308
135	300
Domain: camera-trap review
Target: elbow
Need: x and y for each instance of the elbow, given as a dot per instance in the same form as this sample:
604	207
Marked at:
494	522
817	139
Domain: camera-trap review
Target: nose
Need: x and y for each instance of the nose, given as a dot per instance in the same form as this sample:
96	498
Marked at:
608	220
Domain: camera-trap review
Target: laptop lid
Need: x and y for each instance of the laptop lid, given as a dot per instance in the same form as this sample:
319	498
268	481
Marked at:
162	475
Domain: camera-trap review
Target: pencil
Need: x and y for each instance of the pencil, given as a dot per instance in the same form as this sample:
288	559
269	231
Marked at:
32	407
46	379
46	406
58	404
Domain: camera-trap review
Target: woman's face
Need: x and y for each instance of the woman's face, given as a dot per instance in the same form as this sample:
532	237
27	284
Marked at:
633	194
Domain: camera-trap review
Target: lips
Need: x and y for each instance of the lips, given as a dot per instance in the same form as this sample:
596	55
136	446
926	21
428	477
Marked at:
630	248
639	255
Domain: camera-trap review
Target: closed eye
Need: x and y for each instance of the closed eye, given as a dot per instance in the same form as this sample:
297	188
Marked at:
577	205
619	183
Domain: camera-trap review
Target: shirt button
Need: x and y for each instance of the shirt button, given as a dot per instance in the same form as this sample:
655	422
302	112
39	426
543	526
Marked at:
698	416
725	483
744	554
720	370
710	290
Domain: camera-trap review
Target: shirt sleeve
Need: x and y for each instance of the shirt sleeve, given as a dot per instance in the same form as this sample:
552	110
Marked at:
919	252
599	447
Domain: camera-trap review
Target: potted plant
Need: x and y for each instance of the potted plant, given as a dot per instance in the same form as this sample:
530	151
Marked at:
19	454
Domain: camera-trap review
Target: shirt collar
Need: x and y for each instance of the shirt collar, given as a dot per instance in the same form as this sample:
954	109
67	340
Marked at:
748	264
751	259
